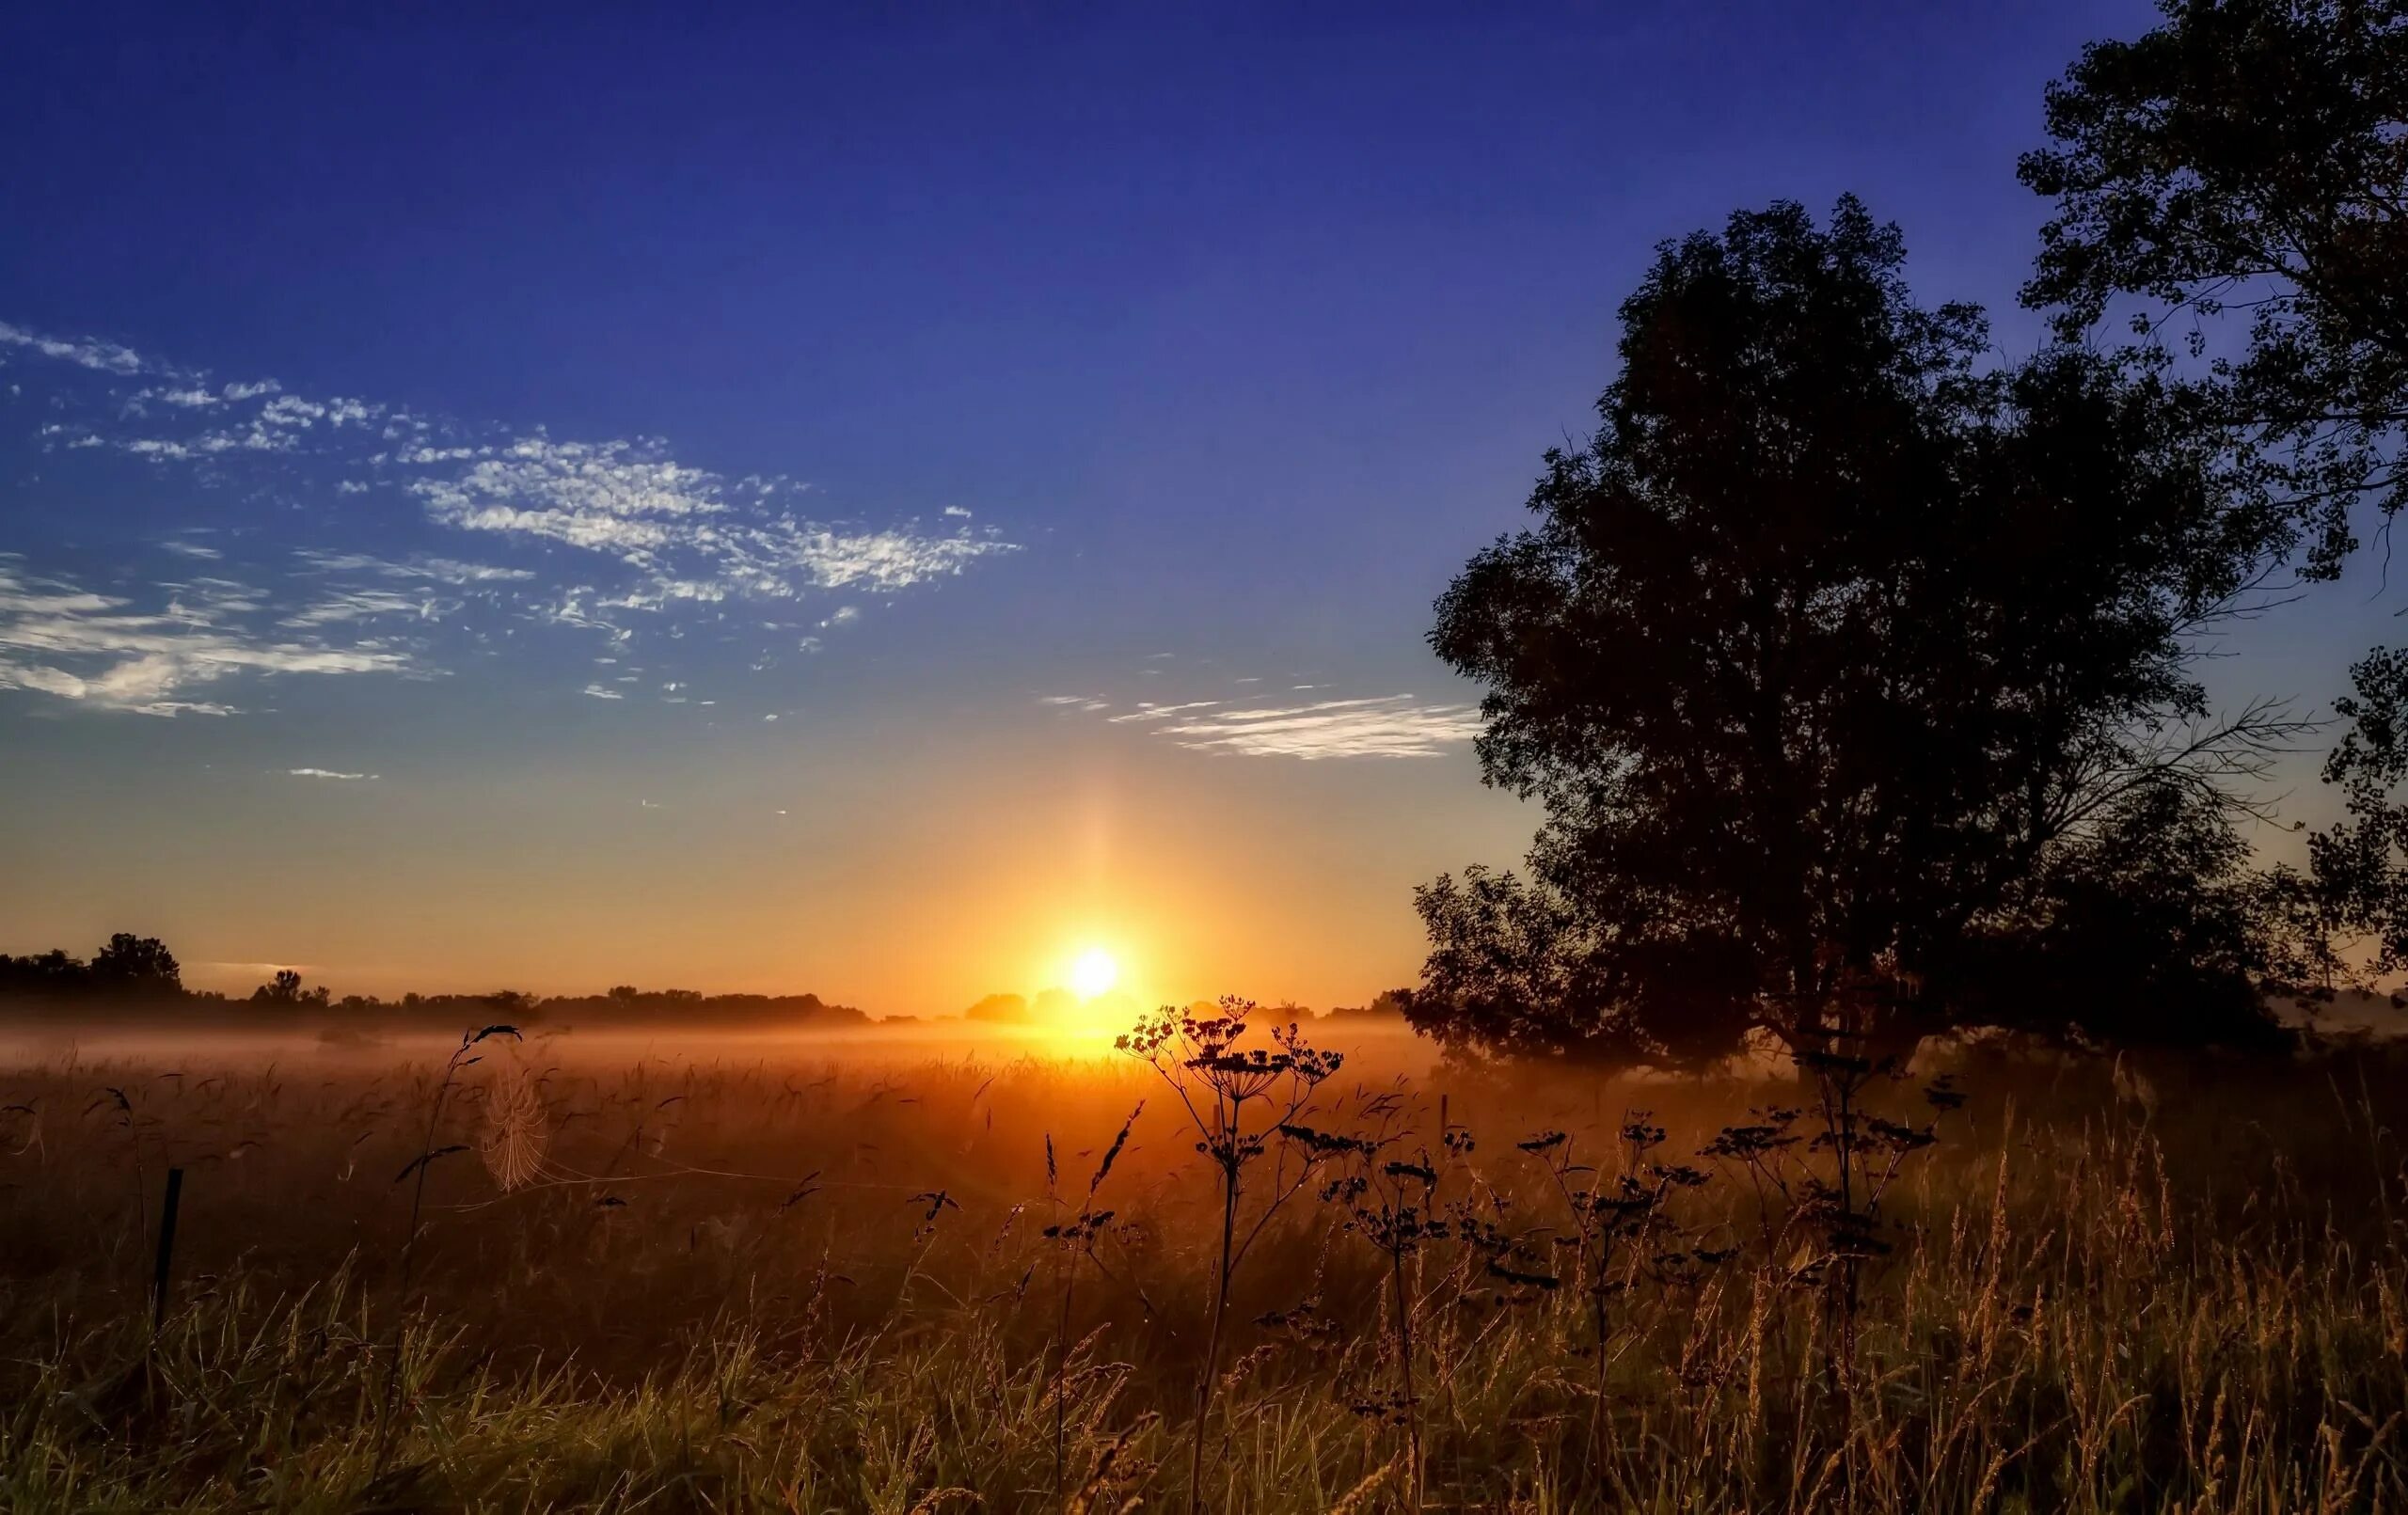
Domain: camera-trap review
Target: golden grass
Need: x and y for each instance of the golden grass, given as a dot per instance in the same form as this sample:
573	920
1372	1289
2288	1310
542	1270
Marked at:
782	1284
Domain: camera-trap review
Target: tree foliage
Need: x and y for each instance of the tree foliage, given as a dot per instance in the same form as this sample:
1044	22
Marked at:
2360	864
1827	654
2250	158
127	967
285	990
129	964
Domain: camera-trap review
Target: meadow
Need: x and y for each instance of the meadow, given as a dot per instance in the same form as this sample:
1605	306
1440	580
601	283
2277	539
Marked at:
801	1276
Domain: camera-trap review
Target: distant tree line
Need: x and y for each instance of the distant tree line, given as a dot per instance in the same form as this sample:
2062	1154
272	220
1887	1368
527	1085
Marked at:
1854	662
127	967
140	973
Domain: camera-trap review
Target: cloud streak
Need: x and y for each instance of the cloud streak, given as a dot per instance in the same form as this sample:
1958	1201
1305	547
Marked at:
1386	726
85	353
100	650
1377	726
671	523
598	535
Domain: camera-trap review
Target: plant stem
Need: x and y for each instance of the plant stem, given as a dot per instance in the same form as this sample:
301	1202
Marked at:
1405	1368
1212	1345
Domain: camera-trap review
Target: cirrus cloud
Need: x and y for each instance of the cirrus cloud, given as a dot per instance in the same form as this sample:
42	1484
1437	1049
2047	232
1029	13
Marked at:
98	649
1381	726
614	535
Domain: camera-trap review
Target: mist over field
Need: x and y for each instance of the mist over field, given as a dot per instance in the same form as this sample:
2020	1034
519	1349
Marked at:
248	1040
753	1268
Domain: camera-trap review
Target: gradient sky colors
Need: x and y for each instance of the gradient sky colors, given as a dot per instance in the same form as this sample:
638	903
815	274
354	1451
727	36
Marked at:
875	503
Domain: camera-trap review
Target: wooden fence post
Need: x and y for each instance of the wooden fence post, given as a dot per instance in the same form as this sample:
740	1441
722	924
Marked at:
166	1247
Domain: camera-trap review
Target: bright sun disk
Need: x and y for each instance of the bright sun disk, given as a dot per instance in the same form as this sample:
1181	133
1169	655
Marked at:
1094	974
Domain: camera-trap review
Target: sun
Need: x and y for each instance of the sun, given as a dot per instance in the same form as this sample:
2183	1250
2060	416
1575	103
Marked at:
1094	974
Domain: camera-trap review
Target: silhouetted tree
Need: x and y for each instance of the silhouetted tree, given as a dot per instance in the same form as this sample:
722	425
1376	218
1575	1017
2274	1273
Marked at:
2154	929
2251	157
52	975
1523	968
137	966
1829	650
2360	865
1389	1004
127	967
285	990
1010	1009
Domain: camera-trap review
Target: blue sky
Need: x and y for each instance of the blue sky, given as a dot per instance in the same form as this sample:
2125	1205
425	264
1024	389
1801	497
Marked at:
864	500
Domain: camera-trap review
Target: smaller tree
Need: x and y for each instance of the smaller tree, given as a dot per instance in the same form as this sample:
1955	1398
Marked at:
286	989
48	976
1517	970
129	965
2359	866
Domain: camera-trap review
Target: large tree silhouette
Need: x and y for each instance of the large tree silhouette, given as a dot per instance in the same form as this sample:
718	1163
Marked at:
2249	159
1830	652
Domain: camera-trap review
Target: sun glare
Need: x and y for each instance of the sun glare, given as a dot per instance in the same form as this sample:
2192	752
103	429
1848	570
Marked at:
1094	974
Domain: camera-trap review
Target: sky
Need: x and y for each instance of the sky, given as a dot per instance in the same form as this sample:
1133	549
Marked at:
878	501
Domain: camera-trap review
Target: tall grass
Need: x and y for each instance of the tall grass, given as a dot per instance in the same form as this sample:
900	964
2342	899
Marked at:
2084	1306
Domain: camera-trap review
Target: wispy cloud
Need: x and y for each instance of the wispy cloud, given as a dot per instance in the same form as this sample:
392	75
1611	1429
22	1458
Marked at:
1147	710
610	534
1396	725
99	649
330	773
364	605
83	352
687	533
1384	726
439	570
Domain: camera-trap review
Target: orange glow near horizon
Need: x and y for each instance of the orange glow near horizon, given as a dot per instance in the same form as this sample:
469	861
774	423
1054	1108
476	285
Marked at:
1097	1006
926	892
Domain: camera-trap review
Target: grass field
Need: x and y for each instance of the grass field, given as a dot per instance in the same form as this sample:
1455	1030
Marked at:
776	1278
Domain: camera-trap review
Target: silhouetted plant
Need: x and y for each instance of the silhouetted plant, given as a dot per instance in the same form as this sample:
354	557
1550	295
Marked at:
1865	1152
462	1057
1614	1220
1072	1241
1393	1203
115	1100
1235	1098
1764	1150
